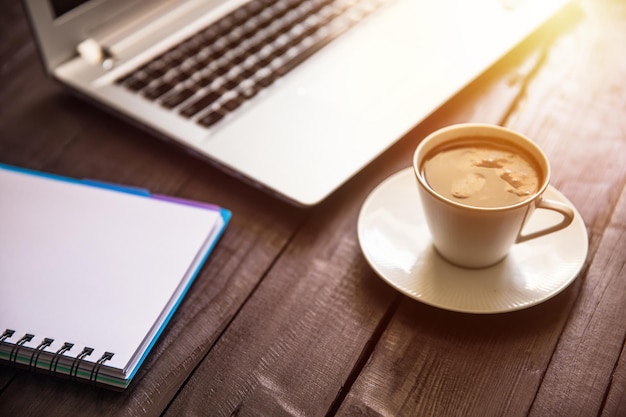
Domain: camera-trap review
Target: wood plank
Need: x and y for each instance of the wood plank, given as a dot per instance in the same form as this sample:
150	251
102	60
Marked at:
321	301
23	141
5	378
590	103
463	365
580	371
433	362
312	307
615	404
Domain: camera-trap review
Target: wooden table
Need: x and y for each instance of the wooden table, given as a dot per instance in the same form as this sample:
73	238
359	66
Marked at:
287	319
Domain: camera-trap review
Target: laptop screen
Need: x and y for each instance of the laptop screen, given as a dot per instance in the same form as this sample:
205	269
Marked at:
60	7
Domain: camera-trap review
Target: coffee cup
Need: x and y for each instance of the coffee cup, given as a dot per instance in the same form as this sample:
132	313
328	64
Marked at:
479	184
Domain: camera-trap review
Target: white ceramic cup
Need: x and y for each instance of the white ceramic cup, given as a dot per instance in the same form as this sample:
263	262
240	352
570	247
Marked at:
477	237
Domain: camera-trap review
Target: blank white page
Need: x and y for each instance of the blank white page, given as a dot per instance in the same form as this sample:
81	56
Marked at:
92	266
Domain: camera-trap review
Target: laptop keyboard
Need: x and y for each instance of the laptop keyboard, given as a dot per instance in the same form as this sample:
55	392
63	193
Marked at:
216	70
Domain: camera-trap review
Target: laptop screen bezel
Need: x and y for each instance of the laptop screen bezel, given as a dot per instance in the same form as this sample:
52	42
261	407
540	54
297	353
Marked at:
58	37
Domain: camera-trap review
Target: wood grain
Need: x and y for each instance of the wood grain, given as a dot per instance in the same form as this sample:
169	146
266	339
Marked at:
615	403
592	104
581	369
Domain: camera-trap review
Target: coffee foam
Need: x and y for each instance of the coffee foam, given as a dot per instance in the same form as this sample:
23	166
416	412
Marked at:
480	173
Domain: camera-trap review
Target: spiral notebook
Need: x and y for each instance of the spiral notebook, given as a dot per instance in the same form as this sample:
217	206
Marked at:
91	273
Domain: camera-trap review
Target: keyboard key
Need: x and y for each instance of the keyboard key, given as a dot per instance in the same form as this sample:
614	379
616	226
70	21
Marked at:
135	83
200	104
222	69
204	80
177	97
232	104
175	77
230	84
248	89
157	89
266	77
247	73
211	118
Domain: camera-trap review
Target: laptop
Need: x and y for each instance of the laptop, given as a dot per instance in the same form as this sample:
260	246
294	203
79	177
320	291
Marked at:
293	96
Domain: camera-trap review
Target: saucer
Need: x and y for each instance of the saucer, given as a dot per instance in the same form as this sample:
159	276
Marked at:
396	243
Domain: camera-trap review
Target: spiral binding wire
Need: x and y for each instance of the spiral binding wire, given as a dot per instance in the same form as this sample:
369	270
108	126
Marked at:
77	360
93	377
47	342
57	356
16	348
7	333
34	358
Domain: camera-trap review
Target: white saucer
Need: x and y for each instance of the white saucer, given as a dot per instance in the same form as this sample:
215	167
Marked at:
396	242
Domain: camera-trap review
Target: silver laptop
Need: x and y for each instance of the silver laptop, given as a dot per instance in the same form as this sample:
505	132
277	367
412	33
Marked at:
294	96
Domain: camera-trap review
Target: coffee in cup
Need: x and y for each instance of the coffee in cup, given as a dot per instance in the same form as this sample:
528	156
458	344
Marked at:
481	172
479	184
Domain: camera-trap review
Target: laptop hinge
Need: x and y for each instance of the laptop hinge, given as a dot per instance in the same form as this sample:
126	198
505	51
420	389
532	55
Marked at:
94	53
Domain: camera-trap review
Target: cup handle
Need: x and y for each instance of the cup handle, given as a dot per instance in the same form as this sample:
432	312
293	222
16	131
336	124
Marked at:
565	210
